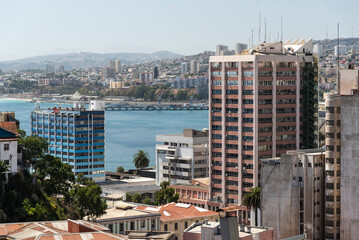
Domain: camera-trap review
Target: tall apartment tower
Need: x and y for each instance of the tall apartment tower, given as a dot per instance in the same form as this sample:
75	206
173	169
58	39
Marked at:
194	67
342	159
76	136
184	68
239	47
112	64
261	105
332	167
220	48
118	66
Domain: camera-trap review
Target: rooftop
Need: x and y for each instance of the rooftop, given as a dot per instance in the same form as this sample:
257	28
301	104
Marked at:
173	211
123	212
57	230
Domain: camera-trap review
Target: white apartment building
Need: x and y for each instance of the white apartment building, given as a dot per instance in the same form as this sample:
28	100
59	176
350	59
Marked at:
182	157
9	149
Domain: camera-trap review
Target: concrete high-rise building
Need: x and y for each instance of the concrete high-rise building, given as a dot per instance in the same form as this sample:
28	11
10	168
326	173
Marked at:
261	106
332	166
76	136
294	181
112	64
239	47
220	48
184	68
108	72
50	68
318	49
118	66
342	50
61	68
194	67
146	76
342	160
182	157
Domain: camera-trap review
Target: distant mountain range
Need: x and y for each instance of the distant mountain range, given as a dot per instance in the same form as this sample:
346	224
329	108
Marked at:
83	60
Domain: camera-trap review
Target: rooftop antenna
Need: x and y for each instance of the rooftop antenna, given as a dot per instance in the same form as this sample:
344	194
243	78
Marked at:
338	85
352	31
327	31
259	31
281	29
269	37
252	37
277	36
265	29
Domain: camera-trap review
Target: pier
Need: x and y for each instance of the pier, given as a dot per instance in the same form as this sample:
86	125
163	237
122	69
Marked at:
155	108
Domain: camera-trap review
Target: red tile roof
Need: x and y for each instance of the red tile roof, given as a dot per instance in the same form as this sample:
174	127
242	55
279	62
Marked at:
174	211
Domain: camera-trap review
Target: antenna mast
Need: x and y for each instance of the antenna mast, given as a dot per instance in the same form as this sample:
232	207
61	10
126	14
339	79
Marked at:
265	29
281	29
259	31
338	85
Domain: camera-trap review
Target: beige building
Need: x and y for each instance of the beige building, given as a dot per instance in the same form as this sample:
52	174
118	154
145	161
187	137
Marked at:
115	84
124	217
176	217
292	200
182	157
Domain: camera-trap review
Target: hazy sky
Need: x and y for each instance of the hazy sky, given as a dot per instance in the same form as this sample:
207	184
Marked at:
39	27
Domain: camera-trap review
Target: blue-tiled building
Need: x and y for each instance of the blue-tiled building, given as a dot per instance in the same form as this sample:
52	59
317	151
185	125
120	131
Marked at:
76	136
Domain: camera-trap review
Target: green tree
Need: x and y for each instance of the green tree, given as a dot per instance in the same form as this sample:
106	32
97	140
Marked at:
148	201
55	175
166	194
136	198
252	200
32	149
120	169
128	197
3	169
86	197
141	159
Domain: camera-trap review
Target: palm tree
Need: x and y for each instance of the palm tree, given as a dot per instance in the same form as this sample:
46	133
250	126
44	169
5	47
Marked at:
253	200
141	159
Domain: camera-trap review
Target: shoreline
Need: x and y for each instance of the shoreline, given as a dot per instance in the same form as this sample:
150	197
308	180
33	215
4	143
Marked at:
16	99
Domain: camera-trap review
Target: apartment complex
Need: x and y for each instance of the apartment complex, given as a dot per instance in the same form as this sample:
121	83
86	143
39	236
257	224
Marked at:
292	194
76	136
261	105
182	157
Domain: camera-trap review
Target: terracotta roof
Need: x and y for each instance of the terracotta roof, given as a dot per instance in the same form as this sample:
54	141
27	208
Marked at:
55	230
173	211
9	126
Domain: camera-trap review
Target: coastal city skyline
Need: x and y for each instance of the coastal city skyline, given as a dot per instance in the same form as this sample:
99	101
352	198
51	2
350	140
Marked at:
150	26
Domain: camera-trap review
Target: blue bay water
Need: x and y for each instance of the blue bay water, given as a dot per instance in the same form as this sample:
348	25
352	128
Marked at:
126	131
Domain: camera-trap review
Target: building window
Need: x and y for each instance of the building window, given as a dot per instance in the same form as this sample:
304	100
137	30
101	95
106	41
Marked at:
143	223
6	147
176	226
132	225
185	225
166	227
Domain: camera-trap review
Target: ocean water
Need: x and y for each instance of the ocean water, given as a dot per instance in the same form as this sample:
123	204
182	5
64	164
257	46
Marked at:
126	131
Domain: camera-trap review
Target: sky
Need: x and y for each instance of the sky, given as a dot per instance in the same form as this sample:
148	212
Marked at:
41	27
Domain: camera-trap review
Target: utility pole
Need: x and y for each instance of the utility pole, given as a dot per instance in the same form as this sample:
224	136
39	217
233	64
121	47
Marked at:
252	37
338	85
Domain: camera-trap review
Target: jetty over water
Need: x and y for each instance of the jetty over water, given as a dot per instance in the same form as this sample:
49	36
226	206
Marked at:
156	108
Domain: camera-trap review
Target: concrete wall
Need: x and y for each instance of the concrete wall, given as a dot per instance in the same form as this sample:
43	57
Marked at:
349	217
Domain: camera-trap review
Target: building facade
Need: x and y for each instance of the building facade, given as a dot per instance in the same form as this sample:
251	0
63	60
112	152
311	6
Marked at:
332	166
292	199
182	157
239	47
124	218
261	105
76	136
176	217
9	147
184	68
